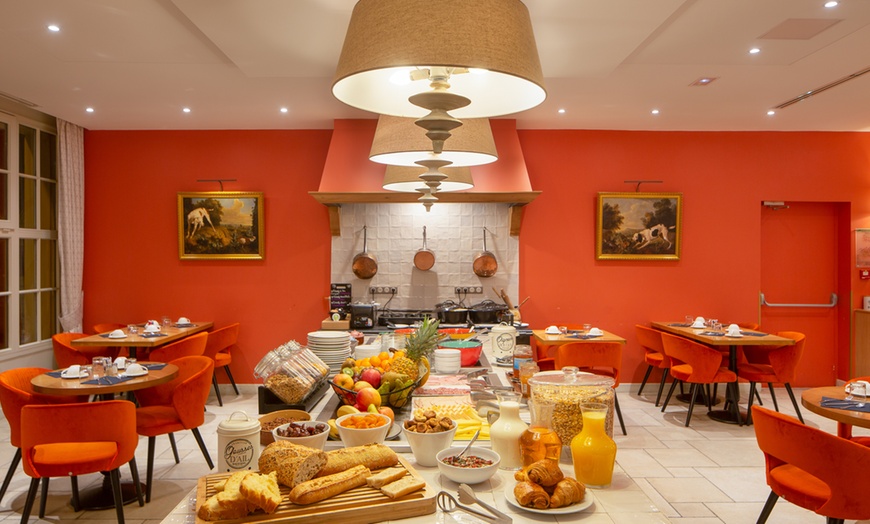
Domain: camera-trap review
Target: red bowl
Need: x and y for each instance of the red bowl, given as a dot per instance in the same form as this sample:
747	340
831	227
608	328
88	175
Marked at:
470	350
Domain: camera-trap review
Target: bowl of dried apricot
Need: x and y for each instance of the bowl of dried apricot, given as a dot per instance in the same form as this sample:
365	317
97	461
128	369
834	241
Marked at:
357	429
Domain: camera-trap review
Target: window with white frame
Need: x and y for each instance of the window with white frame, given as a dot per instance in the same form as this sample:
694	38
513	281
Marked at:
28	233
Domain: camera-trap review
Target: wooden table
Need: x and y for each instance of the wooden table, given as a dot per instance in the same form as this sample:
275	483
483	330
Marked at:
733	415
812	400
131	342
542	337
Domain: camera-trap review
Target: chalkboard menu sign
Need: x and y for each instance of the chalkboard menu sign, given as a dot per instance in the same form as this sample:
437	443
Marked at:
339	295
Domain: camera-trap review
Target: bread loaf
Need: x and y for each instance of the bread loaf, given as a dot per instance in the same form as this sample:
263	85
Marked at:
402	487
322	488
262	491
293	463
228	503
372	456
386	476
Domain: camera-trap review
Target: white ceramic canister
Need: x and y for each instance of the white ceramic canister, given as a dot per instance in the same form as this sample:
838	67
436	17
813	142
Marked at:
238	443
502	340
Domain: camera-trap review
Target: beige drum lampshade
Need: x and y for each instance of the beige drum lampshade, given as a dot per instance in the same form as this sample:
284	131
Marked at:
407	179
399	142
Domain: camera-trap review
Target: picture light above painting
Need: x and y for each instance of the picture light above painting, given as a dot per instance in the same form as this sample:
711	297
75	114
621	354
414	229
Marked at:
639	226
223	225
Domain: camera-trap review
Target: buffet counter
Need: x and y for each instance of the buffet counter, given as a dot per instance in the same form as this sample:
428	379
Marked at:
623	497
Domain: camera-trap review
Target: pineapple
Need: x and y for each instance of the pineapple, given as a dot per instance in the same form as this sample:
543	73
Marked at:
417	349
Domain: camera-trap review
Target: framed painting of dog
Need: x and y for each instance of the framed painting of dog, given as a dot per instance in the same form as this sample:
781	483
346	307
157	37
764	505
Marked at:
639	226
220	225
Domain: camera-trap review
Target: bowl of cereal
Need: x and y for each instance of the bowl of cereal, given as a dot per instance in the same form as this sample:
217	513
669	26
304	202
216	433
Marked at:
311	433
476	466
272	420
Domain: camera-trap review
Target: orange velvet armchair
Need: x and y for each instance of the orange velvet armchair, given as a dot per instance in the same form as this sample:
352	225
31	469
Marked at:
67	440
650	341
696	364
601	358
220	342
781	366
66	355
191	346
15	393
812	469
174	406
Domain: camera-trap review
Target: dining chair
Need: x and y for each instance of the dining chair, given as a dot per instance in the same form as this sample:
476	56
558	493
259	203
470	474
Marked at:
67	440
174	406
108	327
650	341
600	358
15	393
66	355
812	469
194	345
220	342
781	364
697	365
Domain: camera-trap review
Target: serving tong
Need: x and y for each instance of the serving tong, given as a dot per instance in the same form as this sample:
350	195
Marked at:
467	496
449	504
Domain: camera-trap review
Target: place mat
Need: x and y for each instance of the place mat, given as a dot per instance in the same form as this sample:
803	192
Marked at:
583	337
152	335
107	381
711	334
155	366
680	325
849	405
189	324
753	334
55	374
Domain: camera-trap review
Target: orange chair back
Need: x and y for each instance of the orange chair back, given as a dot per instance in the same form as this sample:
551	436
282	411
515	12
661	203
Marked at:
784	360
704	361
64	353
602	358
186	393
838	463
191	346
651	341
221	339
66	427
108	327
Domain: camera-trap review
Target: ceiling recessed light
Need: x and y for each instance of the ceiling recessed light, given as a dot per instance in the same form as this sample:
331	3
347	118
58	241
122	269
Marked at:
754	51
284	110
53	28
771	112
832	3
655	111
186	110
89	109
561	111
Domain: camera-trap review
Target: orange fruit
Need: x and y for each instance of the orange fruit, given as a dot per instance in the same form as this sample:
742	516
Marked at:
384	355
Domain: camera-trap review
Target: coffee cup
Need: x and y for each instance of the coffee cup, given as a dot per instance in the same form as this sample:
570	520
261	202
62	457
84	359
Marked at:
72	371
859	387
552	330
733	329
118	333
135	369
121	362
595	331
183	320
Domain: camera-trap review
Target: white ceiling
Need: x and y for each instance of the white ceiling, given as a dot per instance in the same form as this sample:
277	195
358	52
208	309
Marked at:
607	63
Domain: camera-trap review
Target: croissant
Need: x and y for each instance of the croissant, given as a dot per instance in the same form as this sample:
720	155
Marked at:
531	495
568	491
521	476
545	472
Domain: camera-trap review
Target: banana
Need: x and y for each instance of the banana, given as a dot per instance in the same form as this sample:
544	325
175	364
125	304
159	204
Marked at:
333	428
346	410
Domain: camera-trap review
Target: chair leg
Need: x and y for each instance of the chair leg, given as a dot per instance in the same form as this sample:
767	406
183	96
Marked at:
662	385
832	520
752	393
202	447
692	392
233	382
735	408
217	389
149	471
645	378
768	507
671	392
174	447
797	409
28	502
74	485
709	398
618	412
773	396
9	474
43	497
115	476
758	397
134	471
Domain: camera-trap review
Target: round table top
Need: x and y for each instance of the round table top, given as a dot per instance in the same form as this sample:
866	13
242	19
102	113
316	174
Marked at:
812	400
49	385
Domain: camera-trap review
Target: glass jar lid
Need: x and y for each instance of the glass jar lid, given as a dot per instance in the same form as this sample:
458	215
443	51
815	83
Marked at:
570	377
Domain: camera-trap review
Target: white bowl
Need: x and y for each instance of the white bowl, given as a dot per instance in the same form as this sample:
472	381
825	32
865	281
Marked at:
468	475
351	437
426	445
316	441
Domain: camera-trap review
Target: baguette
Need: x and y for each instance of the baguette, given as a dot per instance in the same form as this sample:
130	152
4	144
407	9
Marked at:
402	487
322	488
385	477
229	503
372	456
293	463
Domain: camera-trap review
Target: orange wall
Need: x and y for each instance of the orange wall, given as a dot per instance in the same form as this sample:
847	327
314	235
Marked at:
132	270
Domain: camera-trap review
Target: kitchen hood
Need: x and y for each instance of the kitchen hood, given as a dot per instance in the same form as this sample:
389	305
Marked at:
349	177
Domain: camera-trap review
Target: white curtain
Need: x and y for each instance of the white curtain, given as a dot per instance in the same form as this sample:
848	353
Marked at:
71	223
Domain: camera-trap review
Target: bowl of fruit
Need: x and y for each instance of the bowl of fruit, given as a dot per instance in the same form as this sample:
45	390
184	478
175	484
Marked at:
311	433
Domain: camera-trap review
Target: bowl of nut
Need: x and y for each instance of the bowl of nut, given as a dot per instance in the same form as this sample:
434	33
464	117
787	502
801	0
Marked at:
311	433
427	434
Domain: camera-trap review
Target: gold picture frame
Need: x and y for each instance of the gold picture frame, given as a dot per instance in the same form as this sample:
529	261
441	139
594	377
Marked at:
220	225
639	226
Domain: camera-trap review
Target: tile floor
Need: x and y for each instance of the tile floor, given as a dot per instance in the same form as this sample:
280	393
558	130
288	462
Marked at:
707	473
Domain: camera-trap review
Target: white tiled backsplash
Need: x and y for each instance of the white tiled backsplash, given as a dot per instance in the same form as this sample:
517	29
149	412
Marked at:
454	233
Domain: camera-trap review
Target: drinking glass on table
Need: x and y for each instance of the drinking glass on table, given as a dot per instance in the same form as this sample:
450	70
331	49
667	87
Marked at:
166	322
563	330
690	320
132	329
587	327
98	367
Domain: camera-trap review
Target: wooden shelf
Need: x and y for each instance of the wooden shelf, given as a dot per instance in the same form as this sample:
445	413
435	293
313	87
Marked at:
517	200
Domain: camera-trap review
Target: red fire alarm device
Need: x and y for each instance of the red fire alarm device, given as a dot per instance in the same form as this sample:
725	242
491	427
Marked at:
864	274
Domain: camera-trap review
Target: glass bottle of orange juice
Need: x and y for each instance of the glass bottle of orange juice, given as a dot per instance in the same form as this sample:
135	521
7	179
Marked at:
592	450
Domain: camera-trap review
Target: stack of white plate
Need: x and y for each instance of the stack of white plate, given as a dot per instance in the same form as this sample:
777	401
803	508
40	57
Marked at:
332	347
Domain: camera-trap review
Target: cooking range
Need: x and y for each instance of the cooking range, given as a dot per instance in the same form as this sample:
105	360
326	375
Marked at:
403	316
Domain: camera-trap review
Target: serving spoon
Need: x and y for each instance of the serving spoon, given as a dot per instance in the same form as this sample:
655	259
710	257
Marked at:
468	446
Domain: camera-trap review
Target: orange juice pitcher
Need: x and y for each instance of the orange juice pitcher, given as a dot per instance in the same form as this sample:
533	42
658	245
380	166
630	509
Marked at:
592	450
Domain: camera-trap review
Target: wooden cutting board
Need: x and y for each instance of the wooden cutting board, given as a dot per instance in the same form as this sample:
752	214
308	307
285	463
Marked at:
360	505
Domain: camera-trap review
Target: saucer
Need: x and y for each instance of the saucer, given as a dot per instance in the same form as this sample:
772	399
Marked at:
737	335
144	372
696	326
82	374
117	336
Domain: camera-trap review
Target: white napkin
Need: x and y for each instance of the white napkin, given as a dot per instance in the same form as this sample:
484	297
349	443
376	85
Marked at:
73	371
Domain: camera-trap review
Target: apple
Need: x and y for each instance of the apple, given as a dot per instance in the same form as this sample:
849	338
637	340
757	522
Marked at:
342	380
372	376
384	410
368	397
361	384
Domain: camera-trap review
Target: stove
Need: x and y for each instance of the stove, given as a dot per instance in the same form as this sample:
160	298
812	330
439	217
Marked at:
403	316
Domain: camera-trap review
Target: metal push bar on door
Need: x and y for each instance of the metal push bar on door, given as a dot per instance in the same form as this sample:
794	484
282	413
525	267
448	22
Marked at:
833	303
